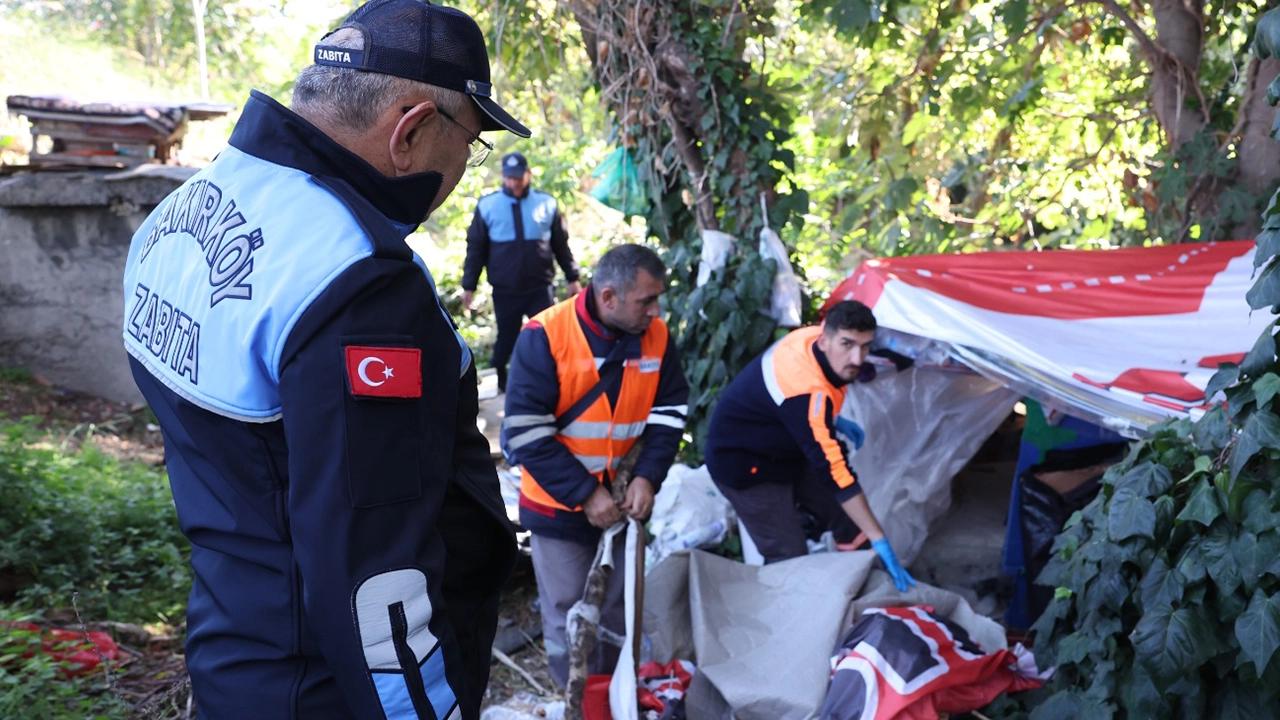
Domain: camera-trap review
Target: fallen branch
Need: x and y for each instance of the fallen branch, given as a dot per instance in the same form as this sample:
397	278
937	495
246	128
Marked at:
506	660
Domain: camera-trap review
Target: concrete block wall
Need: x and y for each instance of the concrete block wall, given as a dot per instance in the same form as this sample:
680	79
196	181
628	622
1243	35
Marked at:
64	237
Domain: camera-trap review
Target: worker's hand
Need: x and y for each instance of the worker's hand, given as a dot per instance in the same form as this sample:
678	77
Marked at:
573	288
901	578
639	500
600	509
467	297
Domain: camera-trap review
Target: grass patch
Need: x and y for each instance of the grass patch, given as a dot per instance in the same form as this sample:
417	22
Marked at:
16	375
82	522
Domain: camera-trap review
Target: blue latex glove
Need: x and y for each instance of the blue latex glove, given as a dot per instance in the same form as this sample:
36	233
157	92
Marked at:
901	578
852	431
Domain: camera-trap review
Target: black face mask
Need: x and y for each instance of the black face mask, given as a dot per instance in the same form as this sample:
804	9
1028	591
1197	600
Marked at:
274	133
411	196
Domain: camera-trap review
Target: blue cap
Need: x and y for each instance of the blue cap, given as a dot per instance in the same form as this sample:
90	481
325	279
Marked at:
431	44
514	165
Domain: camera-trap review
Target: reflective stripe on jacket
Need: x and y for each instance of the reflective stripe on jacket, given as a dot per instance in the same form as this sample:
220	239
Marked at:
604	432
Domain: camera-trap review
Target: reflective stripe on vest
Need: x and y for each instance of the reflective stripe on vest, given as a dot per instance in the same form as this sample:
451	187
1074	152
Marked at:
601	436
790	368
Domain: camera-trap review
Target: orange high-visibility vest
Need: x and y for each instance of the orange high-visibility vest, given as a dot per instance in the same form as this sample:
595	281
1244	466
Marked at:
602	435
791	369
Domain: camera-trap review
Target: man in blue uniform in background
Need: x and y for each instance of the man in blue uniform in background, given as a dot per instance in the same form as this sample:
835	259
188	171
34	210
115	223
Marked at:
318	407
516	233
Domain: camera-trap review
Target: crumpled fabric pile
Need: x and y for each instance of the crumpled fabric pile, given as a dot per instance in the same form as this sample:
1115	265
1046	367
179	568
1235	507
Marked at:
905	663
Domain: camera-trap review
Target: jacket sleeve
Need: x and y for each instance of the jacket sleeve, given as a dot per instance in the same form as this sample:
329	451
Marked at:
560	246
529	425
477	565
665	425
368	482
477	251
810	420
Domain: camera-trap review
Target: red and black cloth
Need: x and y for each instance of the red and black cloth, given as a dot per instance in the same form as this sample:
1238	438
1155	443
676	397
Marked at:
905	663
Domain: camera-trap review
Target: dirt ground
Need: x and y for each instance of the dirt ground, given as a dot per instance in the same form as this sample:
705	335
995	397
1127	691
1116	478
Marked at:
122	430
519	618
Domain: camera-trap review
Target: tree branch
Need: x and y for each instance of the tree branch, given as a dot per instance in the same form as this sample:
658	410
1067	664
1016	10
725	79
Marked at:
1149	46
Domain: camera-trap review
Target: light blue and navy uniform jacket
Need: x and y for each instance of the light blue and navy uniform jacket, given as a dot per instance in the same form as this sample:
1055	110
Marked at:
347	550
517	238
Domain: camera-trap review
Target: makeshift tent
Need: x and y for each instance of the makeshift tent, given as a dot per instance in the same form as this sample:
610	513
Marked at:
1119	338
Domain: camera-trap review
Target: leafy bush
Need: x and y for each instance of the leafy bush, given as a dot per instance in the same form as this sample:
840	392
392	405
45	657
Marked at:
1168	600
1168	583
85	522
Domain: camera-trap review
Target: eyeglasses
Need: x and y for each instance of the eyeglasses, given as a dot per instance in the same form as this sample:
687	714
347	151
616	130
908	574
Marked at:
479	153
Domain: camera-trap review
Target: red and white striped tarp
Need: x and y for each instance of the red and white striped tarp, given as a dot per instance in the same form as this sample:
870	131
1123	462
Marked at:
1124	337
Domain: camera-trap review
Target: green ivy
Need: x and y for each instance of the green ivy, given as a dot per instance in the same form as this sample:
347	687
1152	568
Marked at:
740	129
1168	582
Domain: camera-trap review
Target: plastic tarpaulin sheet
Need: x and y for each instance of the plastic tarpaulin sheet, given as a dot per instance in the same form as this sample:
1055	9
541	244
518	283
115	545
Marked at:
622	688
921	426
1127	336
762	637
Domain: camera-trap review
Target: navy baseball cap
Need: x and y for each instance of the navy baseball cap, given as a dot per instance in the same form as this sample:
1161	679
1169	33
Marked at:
428	43
514	165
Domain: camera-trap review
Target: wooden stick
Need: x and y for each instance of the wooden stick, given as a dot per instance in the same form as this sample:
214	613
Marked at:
506	660
637	628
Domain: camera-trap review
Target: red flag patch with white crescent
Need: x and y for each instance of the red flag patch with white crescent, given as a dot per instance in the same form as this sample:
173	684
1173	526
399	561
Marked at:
389	372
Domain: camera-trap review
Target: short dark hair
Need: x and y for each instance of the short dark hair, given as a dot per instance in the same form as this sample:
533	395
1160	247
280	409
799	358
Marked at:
849	315
617	268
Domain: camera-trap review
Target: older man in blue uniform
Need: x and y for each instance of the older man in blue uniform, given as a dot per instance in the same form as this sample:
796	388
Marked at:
318	407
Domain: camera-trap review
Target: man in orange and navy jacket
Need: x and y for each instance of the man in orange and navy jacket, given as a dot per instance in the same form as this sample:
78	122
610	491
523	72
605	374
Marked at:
777	419
589	378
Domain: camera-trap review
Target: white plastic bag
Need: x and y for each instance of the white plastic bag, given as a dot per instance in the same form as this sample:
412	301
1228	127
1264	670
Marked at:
525	706
785	301
688	512
716	247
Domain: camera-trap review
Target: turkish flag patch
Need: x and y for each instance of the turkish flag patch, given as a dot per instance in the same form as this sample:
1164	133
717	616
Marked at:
389	372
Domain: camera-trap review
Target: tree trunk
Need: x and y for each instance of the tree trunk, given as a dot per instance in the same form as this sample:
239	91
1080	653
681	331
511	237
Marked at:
658	65
1259	153
1175	69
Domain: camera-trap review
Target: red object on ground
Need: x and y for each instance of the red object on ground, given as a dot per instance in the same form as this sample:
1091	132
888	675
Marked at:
595	698
69	648
661	684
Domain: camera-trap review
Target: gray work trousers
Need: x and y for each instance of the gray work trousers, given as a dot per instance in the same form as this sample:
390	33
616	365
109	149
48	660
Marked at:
561	567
